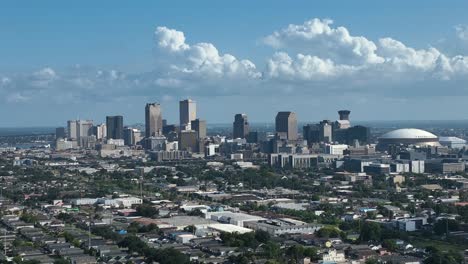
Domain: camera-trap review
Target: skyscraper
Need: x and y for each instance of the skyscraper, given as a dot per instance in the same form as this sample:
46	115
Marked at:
114	126
286	124
200	127
343	122
72	126
188	113
326	131
60	132
311	133
153	120
84	128
240	126
344	114
100	131
131	136
188	140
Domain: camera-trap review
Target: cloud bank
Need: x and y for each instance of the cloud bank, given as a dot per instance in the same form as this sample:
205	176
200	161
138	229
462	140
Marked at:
314	58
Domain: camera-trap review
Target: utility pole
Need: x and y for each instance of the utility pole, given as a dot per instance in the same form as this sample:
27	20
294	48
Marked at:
4	244
142	176
141	189
89	233
446	228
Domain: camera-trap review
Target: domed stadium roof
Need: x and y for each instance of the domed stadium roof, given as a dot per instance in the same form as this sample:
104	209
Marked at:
408	133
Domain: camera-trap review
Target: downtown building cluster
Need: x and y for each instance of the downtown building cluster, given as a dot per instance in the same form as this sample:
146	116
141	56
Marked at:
188	139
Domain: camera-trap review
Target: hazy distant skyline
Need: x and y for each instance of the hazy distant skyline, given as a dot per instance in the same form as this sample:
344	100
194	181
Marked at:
393	61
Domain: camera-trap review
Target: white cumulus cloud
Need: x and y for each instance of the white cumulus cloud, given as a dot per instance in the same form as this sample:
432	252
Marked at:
315	57
319	37
201	59
462	32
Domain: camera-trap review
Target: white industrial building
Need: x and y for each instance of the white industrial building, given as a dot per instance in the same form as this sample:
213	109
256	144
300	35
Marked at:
237	219
417	166
84	201
337	149
452	142
125	202
280	227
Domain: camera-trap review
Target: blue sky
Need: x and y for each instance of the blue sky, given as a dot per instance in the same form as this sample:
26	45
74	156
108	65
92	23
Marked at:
88	59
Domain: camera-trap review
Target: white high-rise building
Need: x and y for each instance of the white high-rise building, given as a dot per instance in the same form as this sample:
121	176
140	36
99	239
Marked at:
79	128
72	126
84	128
100	131
188	113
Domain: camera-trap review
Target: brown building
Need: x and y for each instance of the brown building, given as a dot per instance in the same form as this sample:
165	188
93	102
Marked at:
188	140
286	124
200	127
153	120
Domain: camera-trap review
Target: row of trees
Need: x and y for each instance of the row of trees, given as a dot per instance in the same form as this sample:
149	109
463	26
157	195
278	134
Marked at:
162	256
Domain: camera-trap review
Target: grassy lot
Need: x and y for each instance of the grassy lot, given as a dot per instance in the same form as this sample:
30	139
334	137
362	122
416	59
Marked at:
442	245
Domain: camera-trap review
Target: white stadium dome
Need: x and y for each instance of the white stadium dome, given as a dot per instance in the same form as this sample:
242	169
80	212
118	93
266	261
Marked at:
408	136
408	133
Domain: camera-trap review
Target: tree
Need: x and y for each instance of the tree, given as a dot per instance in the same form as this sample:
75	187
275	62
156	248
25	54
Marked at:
312	253
371	261
32	261
272	250
390	244
133	228
61	261
166	256
134	244
295	252
437	256
195	212
190	228
262	236
65	217
328	231
105	231
441	226
370	232
146	210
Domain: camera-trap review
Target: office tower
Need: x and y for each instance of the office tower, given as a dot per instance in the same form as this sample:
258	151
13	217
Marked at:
200	127
60	132
256	137
188	112
344	114
84	128
155	143
311	133
286	125
188	140
164	122
114	126
88	142
326	131
169	129
128	136
153	120
131	136
100	131
358	133
343	122
72	126
240	126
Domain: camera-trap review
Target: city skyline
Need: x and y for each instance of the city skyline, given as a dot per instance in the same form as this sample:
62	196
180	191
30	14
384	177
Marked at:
179	132
312	59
